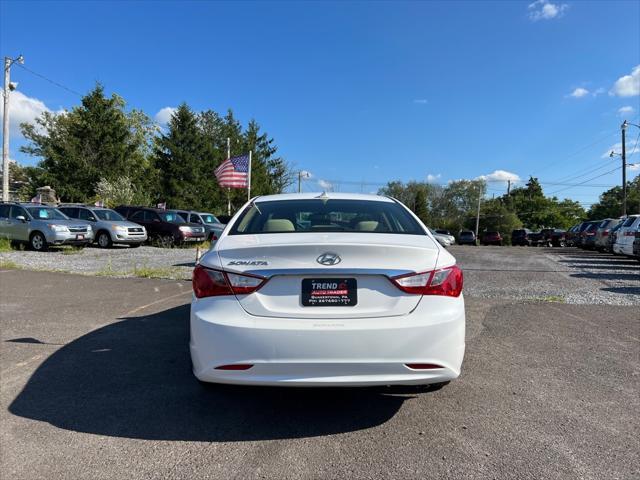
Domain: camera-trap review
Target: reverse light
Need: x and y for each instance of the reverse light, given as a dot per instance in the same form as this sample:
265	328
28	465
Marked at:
212	283
445	281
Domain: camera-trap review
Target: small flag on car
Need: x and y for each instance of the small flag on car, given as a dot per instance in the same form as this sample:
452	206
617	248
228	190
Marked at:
37	199
162	205
233	172
99	203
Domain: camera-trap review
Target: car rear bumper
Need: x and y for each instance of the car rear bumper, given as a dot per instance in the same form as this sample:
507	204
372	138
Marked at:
327	352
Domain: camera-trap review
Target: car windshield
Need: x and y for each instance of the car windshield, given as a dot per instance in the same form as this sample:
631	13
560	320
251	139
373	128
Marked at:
629	221
326	215
110	215
466	234
46	213
172	217
209	218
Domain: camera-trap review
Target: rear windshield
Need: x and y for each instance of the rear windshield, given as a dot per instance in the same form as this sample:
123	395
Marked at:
321	215
629	221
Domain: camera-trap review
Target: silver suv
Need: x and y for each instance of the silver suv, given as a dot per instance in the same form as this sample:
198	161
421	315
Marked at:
41	226
109	226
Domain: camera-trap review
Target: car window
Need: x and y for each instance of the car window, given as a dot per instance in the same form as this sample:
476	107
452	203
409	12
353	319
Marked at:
172	217
109	215
629	221
46	213
85	214
209	218
194	218
4	211
138	216
17	212
325	215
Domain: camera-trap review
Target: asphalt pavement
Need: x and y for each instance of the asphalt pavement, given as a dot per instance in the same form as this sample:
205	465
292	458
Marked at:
96	384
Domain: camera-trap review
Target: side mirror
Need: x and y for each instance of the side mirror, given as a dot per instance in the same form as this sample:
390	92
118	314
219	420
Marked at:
21	218
157	220
92	219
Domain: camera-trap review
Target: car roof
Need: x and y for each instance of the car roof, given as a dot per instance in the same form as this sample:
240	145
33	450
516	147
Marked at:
327	195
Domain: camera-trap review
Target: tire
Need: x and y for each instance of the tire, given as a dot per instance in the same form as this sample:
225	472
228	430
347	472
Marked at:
38	242
103	239
166	241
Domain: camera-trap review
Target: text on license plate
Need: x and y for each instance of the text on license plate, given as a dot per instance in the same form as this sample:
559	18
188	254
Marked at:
329	292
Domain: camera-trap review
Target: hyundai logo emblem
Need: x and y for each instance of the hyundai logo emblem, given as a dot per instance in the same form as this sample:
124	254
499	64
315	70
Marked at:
329	259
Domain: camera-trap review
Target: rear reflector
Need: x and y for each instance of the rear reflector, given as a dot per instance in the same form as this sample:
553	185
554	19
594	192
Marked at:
422	366
235	366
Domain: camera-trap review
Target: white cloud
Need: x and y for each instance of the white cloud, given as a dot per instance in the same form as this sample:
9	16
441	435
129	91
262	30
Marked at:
421	101
164	115
500	176
433	178
627	85
579	93
325	185
23	109
633	166
626	110
545	10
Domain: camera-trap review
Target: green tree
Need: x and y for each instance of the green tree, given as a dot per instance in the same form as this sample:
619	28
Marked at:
496	216
184	159
610	202
97	139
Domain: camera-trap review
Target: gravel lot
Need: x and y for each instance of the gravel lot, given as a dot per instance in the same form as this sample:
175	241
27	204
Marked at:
96	385
566	275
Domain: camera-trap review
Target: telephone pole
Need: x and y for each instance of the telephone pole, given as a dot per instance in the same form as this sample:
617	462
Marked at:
508	188
478	213
5	123
623	127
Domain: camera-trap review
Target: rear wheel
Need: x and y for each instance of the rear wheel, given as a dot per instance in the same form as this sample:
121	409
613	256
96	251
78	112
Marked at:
38	242
166	241
104	240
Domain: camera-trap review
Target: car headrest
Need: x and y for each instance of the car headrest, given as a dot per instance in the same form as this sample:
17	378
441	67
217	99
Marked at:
278	225
367	226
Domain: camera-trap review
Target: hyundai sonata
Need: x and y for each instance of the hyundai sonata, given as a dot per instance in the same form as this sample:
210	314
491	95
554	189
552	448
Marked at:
327	290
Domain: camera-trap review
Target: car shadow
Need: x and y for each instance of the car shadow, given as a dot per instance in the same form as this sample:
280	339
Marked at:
607	276
133	379
623	290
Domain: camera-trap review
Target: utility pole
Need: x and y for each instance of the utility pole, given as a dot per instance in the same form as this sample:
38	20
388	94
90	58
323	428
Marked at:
478	214
623	127
508	188
299	181
5	124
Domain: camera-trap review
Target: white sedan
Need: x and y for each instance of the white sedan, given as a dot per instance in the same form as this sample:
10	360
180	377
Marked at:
327	290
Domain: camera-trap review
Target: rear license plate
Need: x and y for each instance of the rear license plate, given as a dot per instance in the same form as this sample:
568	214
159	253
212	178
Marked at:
329	292
79	237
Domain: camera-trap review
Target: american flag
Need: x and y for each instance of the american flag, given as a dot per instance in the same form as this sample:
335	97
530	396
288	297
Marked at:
233	172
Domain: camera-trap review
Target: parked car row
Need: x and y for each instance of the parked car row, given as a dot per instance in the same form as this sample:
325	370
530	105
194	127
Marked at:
615	235
40	226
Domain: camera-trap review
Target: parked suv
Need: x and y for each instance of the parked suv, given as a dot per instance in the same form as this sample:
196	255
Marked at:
467	237
520	237
626	235
603	231
212	226
447	234
166	227
109	226
41	226
559	238
491	238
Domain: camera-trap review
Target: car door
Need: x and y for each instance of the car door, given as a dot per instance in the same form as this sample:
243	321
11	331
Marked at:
18	228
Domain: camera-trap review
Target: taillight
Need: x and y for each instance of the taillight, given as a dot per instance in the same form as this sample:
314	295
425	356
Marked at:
446	281
212	283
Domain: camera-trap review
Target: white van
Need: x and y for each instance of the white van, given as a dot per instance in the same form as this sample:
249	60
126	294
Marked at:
626	235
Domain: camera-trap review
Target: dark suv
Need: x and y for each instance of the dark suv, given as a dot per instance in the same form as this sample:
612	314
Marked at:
491	238
164	227
520	237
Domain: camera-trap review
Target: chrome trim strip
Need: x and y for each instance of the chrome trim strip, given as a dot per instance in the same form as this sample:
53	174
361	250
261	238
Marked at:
268	273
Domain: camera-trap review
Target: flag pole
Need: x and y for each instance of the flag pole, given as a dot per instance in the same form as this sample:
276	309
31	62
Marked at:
249	179
228	189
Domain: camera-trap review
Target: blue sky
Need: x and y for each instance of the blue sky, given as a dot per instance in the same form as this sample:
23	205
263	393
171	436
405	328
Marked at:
361	91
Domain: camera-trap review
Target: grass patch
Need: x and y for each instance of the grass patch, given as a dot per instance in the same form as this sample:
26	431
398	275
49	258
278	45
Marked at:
6	264
107	271
5	245
145	271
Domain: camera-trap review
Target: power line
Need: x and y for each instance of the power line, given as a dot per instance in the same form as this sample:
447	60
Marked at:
53	82
582	183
